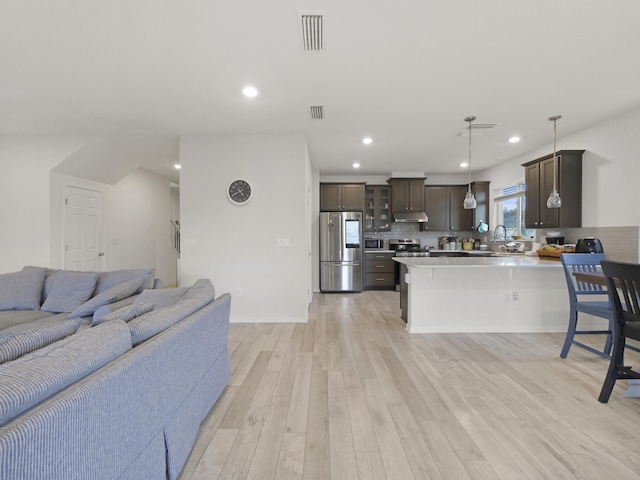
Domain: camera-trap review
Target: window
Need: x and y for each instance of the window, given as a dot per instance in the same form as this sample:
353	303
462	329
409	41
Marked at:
510	203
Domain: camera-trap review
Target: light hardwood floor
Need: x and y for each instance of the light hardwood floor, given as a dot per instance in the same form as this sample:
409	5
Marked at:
351	395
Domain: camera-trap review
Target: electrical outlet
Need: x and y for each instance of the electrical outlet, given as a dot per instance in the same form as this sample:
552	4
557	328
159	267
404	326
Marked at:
515	296
283	243
239	292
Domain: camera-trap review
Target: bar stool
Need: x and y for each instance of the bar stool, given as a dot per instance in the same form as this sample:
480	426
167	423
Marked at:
623	280
585	262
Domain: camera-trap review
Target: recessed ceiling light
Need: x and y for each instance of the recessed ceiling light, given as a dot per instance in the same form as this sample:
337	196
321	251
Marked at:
356	165
250	91
514	139
464	165
177	166
367	140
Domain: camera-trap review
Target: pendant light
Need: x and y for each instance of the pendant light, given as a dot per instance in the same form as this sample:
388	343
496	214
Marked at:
554	200
469	200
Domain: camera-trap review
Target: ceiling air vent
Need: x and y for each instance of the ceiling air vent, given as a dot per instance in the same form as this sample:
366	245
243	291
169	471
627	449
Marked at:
478	129
311	31
316	112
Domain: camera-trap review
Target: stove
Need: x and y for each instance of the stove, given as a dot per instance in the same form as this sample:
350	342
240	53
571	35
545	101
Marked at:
408	247
407	253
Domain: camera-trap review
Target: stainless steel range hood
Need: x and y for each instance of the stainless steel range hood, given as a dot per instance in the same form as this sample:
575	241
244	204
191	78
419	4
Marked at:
410	217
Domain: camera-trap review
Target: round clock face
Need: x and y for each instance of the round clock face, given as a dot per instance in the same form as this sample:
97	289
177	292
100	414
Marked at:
239	192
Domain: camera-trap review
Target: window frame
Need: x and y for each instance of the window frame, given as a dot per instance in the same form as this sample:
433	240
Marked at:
510	192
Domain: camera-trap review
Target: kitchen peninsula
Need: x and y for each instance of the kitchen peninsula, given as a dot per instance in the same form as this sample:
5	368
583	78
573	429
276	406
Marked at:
501	294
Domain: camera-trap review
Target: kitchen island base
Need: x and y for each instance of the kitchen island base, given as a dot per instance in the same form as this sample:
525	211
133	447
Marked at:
485	295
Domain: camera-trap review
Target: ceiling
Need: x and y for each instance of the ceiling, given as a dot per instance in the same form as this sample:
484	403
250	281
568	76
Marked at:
405	73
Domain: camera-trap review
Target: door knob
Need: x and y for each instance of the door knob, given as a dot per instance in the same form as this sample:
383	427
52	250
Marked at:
101	254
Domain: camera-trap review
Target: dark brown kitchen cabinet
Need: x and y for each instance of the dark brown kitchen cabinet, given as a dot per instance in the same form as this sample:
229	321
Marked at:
407	194
377	208
538	177
379	271
443	205
341	197
481	212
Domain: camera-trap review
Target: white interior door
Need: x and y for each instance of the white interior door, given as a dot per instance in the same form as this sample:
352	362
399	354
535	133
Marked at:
83	249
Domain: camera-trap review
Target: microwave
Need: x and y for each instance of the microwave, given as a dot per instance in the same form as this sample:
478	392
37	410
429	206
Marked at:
370	243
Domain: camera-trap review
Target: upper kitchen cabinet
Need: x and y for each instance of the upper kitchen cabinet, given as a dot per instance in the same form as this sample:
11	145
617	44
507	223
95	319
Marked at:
341	197
377	211
481	212
538	177
443	205
407	194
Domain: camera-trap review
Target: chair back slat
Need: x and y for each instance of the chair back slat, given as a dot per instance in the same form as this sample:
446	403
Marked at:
583	263
623	280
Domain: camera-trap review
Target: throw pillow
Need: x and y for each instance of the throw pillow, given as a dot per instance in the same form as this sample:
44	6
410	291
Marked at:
110	295
15	345
21	290
125	313
162	297
107	280
69	290
146	326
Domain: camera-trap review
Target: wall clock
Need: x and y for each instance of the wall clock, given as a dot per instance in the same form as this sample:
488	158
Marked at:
239	192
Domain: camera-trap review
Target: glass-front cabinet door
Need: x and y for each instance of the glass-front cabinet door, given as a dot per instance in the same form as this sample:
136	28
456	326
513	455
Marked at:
377	208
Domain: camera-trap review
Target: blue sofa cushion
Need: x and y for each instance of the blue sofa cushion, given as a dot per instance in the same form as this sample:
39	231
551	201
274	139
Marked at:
22	339
197	296
125	313
9	318
37	376
69	290
21	290
162	297
107	280
110	295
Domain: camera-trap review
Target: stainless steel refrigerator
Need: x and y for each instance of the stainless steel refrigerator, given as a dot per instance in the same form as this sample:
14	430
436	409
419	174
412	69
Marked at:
341	251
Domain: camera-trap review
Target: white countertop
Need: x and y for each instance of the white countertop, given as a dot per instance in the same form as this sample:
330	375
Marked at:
379	250
463	262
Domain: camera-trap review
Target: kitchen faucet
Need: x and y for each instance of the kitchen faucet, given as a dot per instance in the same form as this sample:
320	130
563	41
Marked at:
502	236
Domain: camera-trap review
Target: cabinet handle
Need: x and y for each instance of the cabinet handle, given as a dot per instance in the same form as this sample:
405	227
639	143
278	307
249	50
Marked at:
379	266
381	279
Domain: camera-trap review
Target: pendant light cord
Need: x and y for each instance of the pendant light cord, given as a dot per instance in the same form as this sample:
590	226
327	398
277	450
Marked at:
469	119
554	154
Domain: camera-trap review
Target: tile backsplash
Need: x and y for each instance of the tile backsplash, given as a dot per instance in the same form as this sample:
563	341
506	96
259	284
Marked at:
620	243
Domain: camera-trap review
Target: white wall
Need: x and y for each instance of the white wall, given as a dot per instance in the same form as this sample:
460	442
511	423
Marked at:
610	170
237	246
139	213
136	222
25	162
136	209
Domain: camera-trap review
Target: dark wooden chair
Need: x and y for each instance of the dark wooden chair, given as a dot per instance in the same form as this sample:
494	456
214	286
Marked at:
623	283
578	294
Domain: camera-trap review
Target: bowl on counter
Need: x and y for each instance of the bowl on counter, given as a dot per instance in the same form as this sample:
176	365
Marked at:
484	248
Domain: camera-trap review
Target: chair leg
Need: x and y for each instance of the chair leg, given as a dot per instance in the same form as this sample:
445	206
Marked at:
609	341
571	331
617	359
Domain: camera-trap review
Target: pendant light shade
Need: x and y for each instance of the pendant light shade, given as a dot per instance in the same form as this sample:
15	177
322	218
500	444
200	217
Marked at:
554	200
469	200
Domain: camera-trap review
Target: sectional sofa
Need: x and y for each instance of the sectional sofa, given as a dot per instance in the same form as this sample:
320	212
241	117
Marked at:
110	384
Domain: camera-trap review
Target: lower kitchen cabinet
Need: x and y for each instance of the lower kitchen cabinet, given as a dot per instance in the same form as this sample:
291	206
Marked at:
379	271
